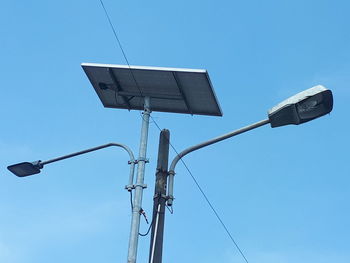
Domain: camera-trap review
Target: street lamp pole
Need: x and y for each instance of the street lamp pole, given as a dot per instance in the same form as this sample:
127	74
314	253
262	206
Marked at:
139	186
185	91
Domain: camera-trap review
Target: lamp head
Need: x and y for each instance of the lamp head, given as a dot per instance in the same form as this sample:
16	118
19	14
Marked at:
302	107
25	168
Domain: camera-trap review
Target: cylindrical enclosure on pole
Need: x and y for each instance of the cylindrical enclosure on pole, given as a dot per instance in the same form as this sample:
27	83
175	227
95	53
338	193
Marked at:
135	219
156	243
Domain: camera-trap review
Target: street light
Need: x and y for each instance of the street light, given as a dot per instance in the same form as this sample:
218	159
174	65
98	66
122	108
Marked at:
300	108
187	91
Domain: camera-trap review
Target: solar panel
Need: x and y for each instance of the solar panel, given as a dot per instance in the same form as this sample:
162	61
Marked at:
175	90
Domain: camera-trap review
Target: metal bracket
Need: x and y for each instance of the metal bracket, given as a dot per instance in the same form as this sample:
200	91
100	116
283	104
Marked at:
146	160
129	187
133	162
162	196
146	109
142	185
133	186
170	200
170	197
159	170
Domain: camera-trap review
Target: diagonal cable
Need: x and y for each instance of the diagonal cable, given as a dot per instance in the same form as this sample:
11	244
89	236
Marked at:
120	46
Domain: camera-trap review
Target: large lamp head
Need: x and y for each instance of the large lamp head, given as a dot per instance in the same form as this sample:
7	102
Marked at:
25	168
302	107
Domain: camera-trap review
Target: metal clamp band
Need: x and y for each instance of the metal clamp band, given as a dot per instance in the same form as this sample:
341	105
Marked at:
162	196
146	160
133	186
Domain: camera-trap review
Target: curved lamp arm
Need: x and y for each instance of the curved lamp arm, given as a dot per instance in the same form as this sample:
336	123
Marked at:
300	108
27	168
201	145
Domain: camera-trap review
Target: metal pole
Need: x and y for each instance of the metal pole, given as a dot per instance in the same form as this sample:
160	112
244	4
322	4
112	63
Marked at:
156	244
204	144
135	217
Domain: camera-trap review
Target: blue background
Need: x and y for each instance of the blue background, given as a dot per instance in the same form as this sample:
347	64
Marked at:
283	193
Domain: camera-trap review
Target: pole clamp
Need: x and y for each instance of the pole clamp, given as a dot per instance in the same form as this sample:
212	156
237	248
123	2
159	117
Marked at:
130	187
146	160
160	196
132	162
146	110
159	170
142	185
170	200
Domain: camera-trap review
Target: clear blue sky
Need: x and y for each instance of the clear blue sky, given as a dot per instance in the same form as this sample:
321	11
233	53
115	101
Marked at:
283	193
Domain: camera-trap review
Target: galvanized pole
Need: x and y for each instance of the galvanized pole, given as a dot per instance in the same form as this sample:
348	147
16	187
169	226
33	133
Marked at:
156	244
135	219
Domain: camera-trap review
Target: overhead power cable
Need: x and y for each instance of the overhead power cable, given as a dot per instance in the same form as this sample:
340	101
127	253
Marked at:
120	45
183	162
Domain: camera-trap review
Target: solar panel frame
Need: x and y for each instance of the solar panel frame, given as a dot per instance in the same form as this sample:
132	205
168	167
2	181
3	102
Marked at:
176	90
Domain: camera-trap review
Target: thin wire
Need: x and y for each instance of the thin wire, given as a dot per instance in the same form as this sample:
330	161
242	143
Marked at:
115	33
149	228
215	212
120	46
152	222
171	210
192	176
132	208
131	203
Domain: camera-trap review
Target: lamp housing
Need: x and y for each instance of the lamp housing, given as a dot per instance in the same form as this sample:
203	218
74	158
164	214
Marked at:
25	168
302	107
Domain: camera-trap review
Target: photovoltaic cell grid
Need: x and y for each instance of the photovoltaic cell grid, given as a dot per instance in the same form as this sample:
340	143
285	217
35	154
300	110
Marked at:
170	89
